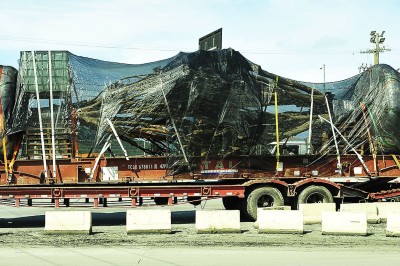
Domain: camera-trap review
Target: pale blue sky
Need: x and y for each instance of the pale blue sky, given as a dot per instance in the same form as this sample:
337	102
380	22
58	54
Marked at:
286	37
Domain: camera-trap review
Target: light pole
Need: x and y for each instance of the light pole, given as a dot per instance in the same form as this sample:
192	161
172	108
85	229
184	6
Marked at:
323	68
376	39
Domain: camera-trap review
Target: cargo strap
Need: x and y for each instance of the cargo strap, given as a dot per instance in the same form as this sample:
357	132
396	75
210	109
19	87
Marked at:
3	135
396	160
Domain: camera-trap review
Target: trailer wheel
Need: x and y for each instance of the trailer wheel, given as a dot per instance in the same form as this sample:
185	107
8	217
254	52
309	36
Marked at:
315	194
259	198
231	203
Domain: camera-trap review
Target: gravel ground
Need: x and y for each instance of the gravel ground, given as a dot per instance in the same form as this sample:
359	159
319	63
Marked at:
184	235
24	227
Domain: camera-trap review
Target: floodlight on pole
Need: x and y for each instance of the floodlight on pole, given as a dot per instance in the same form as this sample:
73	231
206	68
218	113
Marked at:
376	39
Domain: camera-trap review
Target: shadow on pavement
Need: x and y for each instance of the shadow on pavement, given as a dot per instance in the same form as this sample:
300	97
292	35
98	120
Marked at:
98	219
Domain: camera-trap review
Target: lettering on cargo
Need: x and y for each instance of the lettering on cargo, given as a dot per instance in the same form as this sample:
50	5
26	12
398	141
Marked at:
147	166
213	164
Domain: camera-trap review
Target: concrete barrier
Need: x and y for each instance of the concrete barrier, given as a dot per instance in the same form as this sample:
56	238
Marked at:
313	212
143	221
393	224
386	208
68	222
218	222
275	208
280	222
369	208
344	223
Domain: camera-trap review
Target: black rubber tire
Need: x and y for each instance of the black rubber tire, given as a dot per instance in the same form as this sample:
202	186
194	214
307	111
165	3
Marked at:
315	194
231	203
259	198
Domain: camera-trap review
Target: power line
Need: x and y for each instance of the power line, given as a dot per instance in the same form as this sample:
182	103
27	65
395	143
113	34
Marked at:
109	46
166	49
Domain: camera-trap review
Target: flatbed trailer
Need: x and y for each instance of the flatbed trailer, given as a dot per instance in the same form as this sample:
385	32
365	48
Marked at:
243	183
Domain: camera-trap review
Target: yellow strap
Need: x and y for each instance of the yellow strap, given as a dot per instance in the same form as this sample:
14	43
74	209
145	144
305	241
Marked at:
396	160
3	136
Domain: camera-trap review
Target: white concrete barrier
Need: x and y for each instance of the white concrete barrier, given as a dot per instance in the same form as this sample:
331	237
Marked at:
280	222
274	208
386	208
148	221
218	221
313	212
68	222
344	223
393	224
369	208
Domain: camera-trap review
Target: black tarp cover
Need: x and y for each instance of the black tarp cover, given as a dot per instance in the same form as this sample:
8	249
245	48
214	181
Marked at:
206	103
8	81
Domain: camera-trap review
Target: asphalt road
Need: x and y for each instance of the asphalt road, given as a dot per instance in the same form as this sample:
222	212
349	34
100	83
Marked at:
196	256
23	242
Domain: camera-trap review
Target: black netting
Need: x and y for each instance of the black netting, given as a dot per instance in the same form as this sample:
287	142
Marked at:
208	104
8	78
376	91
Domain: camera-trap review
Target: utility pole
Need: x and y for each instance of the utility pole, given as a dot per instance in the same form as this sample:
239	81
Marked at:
376	39
323	68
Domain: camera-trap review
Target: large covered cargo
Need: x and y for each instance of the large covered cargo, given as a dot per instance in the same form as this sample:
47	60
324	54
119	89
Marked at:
201	104
200	124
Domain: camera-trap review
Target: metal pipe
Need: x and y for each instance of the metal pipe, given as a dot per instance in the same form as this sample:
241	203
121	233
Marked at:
310	127
371	142
172	121
40	115
53	142
103	150
348	143
276	125
118	139
334	135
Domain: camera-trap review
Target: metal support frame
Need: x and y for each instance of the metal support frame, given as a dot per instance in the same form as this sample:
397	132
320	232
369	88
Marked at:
348	143
310	126
103	192
118	139
333	133
371	141
39	115
173	121
103	150
53	141
277	125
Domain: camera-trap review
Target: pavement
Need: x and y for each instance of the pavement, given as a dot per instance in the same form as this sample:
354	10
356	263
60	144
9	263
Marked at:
23	242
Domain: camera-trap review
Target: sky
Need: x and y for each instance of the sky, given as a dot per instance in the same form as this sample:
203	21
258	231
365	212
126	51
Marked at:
290	38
